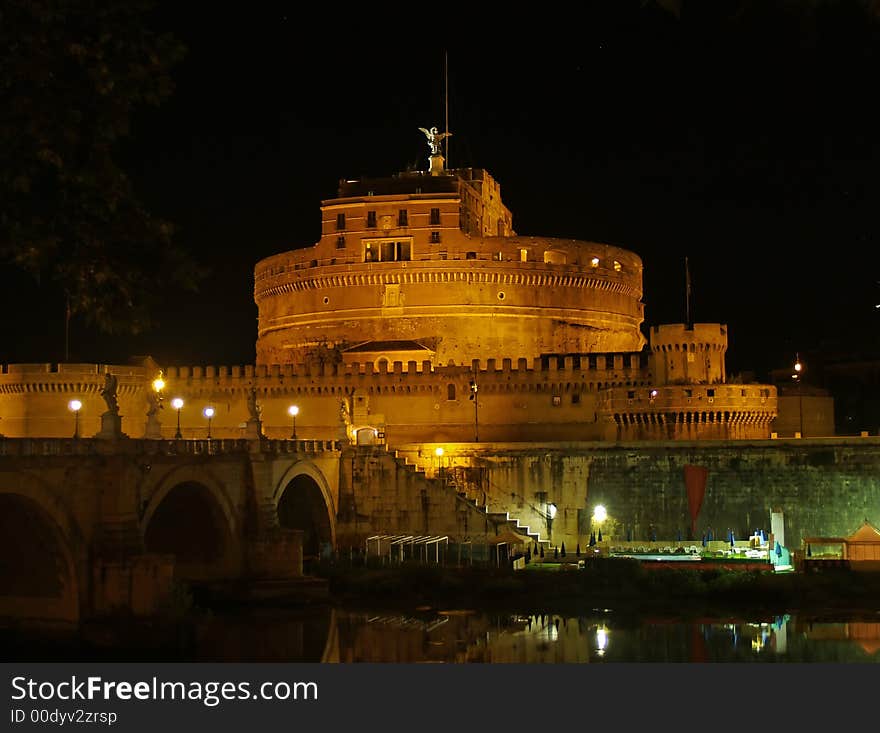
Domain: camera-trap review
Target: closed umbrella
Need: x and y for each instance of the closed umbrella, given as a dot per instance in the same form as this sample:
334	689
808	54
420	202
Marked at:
679	535
709	535
592	539
629	534
704	540
779	549
600	534
653	535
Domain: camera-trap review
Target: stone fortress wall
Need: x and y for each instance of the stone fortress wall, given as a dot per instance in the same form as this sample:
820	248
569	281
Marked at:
608	396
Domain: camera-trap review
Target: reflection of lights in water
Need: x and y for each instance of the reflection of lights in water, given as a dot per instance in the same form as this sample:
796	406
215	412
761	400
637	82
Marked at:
601	640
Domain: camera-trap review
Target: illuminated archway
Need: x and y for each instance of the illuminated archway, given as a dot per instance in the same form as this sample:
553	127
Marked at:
38	579
189	523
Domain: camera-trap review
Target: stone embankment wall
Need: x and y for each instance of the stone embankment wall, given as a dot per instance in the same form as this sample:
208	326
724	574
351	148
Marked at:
824	487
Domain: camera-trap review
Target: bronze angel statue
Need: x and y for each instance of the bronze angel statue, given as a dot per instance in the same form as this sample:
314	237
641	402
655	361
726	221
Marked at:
435	139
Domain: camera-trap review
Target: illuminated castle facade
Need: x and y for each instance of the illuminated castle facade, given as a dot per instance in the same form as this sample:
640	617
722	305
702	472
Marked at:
421	316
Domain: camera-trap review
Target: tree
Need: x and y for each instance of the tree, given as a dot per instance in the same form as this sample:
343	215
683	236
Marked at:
72	74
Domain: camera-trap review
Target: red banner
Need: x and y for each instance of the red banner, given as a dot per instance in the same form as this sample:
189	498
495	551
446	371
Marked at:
695	483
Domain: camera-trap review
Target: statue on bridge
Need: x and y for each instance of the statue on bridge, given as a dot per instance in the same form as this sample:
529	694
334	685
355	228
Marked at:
254	426
344	421
111	420
109	393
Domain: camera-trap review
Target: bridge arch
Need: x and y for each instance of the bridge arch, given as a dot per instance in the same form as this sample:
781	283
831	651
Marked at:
45	569
303	500
191	516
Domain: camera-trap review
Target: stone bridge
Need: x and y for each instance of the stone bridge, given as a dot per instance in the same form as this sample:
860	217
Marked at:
89	525
93	526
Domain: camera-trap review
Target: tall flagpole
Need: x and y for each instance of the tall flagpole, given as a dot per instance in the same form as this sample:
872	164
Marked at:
446	104
687	290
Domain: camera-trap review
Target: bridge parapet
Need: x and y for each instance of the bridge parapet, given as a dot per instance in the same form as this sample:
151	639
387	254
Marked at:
95	446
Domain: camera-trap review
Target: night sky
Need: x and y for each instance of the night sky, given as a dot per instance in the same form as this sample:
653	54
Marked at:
741	135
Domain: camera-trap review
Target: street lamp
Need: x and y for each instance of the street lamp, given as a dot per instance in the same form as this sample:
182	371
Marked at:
208	412
438	451
473	397
293	411
177	404
797	377
75	406
551	515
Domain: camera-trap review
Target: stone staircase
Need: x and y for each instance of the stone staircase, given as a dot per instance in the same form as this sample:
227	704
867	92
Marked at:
446	480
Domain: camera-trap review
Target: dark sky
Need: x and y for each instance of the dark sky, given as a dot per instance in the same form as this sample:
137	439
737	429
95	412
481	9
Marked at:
741	135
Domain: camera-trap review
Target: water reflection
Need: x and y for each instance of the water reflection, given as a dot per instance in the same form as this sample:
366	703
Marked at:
600	636
426	635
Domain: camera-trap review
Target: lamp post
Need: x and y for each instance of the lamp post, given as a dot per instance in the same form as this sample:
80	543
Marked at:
158	385
438	451
293	411
797	377
473	397
208	412
551	515
600	514
177	404
75	406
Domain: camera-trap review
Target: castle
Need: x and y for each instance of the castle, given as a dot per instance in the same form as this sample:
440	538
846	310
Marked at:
420	316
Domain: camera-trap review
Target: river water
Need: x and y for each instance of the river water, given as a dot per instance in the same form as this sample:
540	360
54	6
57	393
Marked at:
428	635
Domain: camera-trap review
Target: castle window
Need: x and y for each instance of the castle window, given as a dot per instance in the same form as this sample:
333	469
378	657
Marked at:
371	220
594	262
575	398
340	242
450	391
435	237
435	217
631	394
710	393
402	218
370	254
557	400
470	255
617	266
340	222
627	361
688	393
523	255
592	361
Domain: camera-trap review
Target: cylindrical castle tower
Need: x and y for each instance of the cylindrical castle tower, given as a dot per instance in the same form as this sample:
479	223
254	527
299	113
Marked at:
431	265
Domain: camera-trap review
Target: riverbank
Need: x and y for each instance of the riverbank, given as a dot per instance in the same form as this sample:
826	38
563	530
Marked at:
618	583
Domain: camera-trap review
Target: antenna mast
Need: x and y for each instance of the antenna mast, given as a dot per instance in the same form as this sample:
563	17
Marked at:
446	104
687	291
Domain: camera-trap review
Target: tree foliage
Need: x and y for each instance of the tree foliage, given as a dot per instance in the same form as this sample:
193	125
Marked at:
72	75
